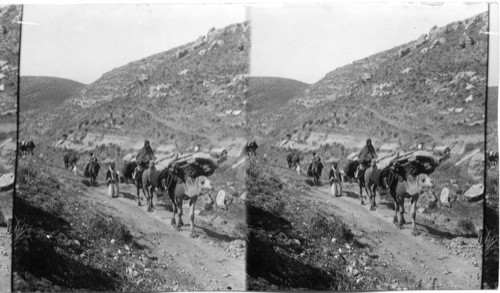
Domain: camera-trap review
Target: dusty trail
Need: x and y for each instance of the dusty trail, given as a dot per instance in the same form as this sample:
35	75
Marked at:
421	256
203	259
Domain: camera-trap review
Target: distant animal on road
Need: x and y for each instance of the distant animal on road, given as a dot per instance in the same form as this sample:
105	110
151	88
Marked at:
251	147
70	159
315	168
293	160
26	147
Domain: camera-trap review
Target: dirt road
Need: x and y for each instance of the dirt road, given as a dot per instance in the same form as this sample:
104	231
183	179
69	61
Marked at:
206	259
425	257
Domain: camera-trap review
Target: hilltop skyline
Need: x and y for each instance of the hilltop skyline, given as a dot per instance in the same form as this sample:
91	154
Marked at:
82	42
293	41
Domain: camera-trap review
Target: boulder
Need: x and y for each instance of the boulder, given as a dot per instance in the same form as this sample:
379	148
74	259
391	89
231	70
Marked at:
435	32
184	72
403	52
3	63
421	40
221	199
365	77
218	153
438	42
143	78
468	99
215	44
7	181
476	166
445	196
198	43
475	192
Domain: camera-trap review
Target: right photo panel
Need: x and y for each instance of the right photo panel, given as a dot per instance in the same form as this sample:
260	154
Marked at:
370	167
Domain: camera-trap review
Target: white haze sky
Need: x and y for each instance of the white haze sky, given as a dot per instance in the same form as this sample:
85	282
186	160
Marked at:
304	42
82	42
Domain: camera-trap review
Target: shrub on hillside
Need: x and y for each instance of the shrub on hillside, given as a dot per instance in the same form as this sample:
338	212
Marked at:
109	228
25	174
465	227
321	226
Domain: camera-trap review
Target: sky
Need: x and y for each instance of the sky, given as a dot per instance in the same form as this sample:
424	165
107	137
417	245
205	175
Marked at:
304	42
82	42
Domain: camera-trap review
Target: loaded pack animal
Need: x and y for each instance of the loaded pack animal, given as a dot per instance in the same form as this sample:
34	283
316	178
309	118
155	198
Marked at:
128	175
92	171
251	148
406	181
315	169
179	187
70	159
293	160
26	147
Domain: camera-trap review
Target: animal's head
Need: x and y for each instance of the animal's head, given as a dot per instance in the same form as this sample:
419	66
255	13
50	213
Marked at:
204	183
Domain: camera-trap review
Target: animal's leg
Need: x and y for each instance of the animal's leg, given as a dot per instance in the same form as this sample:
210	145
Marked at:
414	200
150	199
361	194
174	207
403	214
401	203
179	215
192	203
374	191
151	196
139	203
371	194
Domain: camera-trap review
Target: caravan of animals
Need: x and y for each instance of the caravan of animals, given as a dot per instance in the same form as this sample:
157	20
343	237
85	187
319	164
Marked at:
187	170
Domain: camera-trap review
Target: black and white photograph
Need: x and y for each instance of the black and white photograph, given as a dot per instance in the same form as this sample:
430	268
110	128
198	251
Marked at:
282	146
136	179
371	124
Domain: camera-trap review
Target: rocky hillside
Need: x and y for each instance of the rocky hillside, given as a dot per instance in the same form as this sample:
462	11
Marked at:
10	30
272	92
425	91
192	94
42	92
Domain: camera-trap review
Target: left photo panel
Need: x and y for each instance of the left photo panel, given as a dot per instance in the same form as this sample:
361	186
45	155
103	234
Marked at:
10	35
131	176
